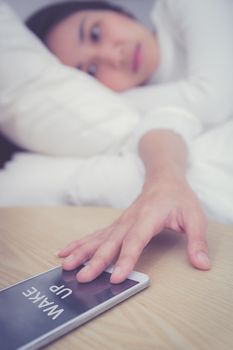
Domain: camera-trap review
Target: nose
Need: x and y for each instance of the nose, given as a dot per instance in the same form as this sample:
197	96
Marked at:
112	55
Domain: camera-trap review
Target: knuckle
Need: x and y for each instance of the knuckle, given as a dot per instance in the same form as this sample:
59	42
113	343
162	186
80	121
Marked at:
127	260
83	252
109	245
101	260
136	241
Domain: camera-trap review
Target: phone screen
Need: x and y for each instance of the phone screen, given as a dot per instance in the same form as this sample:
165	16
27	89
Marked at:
42	303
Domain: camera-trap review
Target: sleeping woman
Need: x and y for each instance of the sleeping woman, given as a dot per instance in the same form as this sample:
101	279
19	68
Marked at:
181	73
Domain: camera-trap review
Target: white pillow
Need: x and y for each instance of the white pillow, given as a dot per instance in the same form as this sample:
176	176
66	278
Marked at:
49	108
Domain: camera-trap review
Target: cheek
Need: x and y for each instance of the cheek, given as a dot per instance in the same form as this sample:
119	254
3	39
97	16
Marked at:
117	81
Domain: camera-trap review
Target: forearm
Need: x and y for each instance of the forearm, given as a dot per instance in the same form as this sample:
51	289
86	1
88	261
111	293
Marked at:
164	154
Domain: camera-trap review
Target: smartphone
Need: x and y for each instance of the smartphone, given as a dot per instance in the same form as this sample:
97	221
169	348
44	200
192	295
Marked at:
44	307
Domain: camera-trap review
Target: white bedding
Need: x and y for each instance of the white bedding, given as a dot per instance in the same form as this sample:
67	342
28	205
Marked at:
38	110
111	180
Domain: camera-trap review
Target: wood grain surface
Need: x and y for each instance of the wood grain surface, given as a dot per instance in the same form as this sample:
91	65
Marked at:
183	309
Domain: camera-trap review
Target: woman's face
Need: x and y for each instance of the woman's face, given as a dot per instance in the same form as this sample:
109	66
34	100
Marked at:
118	51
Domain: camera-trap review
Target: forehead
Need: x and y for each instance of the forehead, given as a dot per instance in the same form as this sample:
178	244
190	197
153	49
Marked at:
77	17
72	21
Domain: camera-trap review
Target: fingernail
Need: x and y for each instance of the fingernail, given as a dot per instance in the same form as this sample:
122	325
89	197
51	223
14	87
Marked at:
203	258
69	258
57	253
85	268
83	271
117	271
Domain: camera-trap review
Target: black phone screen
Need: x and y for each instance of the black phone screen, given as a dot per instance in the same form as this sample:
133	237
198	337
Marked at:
42	303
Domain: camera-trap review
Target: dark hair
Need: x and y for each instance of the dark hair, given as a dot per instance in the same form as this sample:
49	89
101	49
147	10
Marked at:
41	22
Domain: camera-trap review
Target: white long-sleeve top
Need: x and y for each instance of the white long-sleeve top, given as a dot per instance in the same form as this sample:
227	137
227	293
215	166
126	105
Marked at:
193	87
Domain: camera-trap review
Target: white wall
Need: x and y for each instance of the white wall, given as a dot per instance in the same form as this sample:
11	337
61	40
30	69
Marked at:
141	8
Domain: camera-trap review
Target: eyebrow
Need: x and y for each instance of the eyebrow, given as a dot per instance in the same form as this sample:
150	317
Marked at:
82	30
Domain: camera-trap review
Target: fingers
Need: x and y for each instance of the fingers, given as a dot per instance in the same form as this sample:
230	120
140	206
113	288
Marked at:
197	246
68	249
131	250
80	255
100	249
107	251
103	257
126	237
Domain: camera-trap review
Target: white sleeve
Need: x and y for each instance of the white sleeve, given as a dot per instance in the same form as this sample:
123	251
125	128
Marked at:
205	96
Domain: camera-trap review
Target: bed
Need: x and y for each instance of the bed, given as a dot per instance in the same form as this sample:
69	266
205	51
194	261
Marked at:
43	107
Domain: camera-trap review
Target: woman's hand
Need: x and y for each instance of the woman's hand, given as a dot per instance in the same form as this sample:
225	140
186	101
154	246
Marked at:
167	203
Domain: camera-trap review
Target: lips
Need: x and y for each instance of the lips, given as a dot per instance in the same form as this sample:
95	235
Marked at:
136	61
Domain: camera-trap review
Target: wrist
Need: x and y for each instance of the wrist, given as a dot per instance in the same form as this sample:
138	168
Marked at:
166	173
